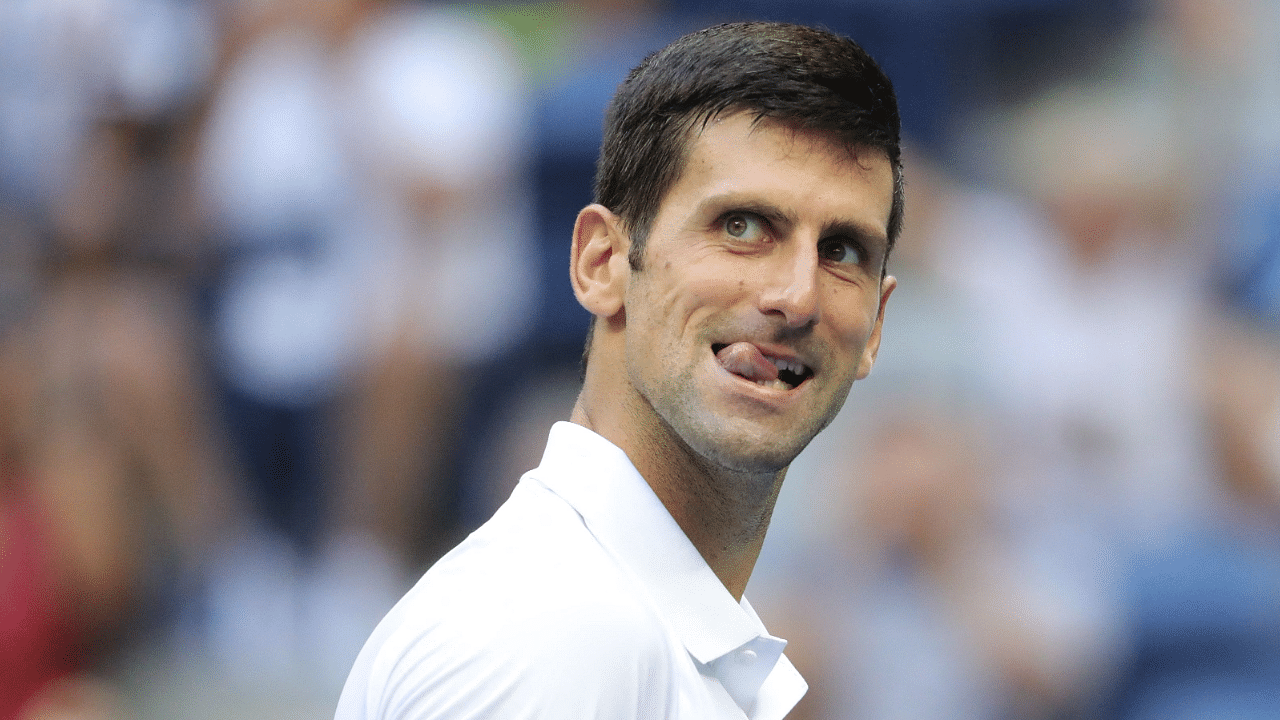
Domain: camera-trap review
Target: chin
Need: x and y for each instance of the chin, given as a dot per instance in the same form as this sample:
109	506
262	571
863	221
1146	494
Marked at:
747	452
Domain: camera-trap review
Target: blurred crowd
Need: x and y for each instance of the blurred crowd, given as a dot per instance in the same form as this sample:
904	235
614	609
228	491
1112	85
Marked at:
284	315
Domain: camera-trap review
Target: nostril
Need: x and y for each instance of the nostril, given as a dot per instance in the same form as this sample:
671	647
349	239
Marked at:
796	303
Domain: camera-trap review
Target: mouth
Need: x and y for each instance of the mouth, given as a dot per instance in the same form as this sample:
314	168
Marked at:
762	368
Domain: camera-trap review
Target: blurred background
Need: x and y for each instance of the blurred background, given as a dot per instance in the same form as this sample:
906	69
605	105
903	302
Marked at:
284	315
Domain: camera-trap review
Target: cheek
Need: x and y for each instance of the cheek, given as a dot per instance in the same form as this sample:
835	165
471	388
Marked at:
715	290
852	314
684	299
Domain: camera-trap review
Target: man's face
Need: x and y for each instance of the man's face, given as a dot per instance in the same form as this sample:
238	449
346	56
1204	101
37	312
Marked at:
760	299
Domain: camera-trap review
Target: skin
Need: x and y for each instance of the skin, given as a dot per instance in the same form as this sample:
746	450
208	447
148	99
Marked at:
771	236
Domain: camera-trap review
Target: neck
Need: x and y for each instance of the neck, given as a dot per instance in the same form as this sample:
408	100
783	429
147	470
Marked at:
723	513
727	528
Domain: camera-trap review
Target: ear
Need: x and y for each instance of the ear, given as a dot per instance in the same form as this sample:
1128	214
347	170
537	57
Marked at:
598	267
873	343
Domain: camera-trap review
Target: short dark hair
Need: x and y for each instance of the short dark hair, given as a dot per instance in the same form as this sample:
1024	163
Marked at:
808	78
805	77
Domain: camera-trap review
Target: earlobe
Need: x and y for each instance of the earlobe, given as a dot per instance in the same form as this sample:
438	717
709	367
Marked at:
873	342
598	266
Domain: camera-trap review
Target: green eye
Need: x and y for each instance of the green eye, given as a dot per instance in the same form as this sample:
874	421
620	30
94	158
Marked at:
743	226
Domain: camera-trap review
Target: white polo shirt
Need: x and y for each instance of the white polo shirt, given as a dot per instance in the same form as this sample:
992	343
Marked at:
580	599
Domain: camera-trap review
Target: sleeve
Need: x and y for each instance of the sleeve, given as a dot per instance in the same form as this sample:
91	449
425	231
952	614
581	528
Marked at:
580	662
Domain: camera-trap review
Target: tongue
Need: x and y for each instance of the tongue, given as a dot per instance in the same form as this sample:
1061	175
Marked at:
743	358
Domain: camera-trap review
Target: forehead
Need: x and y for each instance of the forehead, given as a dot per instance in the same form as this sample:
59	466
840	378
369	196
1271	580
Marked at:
810	172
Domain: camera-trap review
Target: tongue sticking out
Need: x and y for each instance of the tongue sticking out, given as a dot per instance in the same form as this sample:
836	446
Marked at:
744	359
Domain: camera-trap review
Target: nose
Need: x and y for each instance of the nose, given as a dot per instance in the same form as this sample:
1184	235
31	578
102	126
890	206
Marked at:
790	288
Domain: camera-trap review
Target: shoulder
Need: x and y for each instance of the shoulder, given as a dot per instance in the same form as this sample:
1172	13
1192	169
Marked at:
542	626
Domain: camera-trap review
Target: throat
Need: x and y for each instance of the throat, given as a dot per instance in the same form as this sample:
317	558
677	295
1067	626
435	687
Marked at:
724	515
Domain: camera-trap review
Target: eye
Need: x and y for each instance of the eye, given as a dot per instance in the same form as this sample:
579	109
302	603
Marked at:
744	226
841	250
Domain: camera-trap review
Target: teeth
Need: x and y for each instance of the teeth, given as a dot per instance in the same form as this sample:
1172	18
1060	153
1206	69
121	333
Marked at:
794	367
774	384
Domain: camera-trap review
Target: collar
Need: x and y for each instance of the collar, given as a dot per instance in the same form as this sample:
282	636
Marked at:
621	510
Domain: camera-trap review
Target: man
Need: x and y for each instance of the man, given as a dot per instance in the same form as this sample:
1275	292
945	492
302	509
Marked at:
748	194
